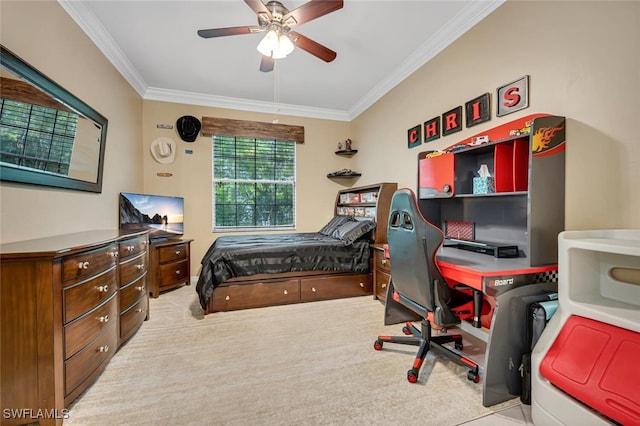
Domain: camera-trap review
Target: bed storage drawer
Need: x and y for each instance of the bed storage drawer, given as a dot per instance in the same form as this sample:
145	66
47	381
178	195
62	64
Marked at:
232	297
335	287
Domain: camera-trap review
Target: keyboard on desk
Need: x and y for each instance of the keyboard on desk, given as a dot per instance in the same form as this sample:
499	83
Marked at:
484	247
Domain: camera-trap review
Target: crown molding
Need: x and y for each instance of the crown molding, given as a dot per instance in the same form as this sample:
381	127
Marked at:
190	98
87	21
461	23
475	12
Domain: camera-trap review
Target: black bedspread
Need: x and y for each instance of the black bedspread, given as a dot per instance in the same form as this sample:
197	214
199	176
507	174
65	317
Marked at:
245	255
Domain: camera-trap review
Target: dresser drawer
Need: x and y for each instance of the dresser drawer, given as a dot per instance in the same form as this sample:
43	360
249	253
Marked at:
174	272
132	318
335	287
86	295
244	296
132	247
382	281
80	332
132	269
381	262
87	264
131	293
81	365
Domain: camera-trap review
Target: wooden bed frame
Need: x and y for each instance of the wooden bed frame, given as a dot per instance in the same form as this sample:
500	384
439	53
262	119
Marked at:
296	287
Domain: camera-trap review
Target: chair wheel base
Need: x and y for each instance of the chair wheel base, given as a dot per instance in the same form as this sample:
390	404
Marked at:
412	376
377	345
473	376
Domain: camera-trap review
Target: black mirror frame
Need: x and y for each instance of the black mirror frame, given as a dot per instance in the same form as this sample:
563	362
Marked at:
22	69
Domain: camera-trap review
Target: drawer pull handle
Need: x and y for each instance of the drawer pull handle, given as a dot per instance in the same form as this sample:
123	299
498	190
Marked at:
362	285
313	289
384	286
104	348
140	288
103	288
104	318
83	265
178	252
131	248
383	261
113	253
286	292
227	298
178	272
139	310
140	266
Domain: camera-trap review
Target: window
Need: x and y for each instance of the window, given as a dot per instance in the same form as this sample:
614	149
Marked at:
37	137
253	183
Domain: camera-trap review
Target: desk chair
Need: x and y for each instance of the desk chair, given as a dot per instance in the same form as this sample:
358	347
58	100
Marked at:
417	285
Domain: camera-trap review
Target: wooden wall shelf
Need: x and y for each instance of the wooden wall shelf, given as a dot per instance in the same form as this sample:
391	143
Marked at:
347	152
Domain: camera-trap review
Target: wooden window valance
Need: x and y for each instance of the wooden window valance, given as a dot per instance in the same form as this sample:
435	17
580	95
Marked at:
17	90
251	129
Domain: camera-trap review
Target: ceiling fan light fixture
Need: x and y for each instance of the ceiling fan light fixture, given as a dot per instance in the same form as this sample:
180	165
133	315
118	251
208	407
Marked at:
268	43
275	45
285	46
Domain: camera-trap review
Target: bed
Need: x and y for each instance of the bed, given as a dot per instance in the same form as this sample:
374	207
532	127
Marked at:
249	271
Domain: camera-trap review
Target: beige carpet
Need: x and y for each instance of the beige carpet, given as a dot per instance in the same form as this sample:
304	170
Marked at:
310	363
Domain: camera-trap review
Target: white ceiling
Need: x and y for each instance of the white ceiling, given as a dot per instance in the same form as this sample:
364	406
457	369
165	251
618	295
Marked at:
154	44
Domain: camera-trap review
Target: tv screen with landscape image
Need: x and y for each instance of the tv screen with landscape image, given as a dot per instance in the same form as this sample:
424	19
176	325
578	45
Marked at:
161	215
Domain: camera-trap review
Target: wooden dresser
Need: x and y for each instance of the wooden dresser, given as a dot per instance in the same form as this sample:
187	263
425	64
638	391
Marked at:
170	265
67	303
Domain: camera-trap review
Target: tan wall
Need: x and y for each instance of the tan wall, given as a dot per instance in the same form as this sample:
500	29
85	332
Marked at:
582	58
584	63
44	35
191	173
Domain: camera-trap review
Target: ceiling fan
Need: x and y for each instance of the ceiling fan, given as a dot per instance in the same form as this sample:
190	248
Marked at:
277	21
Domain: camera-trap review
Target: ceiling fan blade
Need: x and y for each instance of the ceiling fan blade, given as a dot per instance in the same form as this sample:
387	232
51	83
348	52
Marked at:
311	10
258	7
222	32
312	47
267	63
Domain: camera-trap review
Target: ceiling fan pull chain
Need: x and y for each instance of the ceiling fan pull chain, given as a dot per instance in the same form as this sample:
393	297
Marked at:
276	91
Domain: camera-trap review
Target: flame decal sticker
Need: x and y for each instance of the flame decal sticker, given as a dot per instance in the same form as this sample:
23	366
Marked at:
544	142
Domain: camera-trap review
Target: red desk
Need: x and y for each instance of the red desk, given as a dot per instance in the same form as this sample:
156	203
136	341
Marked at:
507	284
489	274
493	276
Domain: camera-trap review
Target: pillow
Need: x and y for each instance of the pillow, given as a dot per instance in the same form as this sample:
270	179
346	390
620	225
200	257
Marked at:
334	224
351	231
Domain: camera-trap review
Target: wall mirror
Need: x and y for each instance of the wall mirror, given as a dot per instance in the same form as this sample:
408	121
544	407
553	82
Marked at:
47	135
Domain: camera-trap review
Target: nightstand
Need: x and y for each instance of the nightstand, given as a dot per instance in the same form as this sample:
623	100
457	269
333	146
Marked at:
169	265
381	273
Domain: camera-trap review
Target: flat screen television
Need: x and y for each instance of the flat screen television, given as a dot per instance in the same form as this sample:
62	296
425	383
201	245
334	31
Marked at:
161	215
